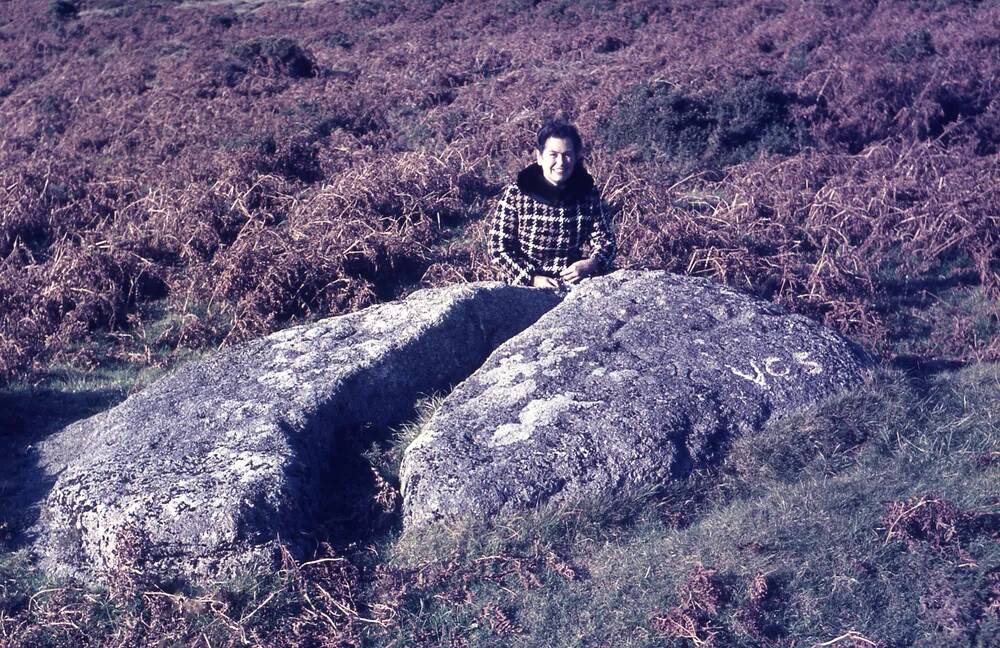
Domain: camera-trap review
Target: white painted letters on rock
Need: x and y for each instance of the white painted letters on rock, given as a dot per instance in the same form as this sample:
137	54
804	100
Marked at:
634	379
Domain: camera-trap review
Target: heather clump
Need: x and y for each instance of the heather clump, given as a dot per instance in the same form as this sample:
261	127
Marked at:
676	125
385	10
755	116
64	9
294	158
275	55
704	131
914	45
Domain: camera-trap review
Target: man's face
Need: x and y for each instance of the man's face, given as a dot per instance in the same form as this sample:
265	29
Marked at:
557	160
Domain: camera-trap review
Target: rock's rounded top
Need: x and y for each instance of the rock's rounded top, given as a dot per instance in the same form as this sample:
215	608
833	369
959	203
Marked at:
214	463
636	378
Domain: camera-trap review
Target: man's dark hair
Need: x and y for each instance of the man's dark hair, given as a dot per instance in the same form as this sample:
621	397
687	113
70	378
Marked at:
560	130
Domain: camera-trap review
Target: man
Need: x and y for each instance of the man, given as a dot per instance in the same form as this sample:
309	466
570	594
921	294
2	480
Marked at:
546	220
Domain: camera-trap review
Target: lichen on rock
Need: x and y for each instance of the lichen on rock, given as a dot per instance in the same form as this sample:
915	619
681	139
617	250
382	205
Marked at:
215	464
635	379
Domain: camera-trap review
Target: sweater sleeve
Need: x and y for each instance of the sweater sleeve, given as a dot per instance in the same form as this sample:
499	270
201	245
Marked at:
602	237
504	246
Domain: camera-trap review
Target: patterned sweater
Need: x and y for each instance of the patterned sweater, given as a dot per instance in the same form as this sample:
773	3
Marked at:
538	229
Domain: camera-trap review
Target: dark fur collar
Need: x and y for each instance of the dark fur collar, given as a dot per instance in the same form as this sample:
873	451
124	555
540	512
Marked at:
531	182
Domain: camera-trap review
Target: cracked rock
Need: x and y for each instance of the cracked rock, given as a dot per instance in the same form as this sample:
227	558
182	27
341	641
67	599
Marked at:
635	379
213	465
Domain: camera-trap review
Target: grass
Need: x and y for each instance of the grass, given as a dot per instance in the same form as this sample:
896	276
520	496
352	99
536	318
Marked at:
804	506
872	518
98	373
213	181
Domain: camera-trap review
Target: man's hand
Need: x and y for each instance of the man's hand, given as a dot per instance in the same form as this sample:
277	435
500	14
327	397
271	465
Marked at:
577	271
541	281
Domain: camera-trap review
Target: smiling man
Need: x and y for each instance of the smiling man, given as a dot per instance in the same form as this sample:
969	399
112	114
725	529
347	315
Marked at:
549	226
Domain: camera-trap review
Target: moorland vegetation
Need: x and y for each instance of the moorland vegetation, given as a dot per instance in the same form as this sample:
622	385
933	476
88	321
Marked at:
177	176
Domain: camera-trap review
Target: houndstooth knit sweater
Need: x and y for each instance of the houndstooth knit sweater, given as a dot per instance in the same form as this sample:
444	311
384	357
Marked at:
539	229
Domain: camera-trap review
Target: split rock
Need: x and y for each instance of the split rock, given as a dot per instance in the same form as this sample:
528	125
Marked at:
636	378
205	470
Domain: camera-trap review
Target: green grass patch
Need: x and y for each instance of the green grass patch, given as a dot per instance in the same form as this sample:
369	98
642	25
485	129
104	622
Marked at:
707	130
804	535
872	517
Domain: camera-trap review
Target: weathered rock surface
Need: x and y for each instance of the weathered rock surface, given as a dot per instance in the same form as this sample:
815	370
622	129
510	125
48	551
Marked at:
205	469
633	380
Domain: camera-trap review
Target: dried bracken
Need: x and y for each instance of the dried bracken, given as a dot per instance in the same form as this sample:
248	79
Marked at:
126	577
938	523
499	622
180	176
387	497
750	615
246	168
694	616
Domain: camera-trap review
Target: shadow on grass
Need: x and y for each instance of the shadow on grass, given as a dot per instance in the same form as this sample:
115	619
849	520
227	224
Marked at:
361	504
27	416
940	321
923	291
922	368
37	412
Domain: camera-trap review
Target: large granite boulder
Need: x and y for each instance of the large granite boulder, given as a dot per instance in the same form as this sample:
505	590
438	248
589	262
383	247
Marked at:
205	469
633	380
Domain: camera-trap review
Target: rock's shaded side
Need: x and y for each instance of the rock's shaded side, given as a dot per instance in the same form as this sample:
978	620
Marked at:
634	379
208	467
